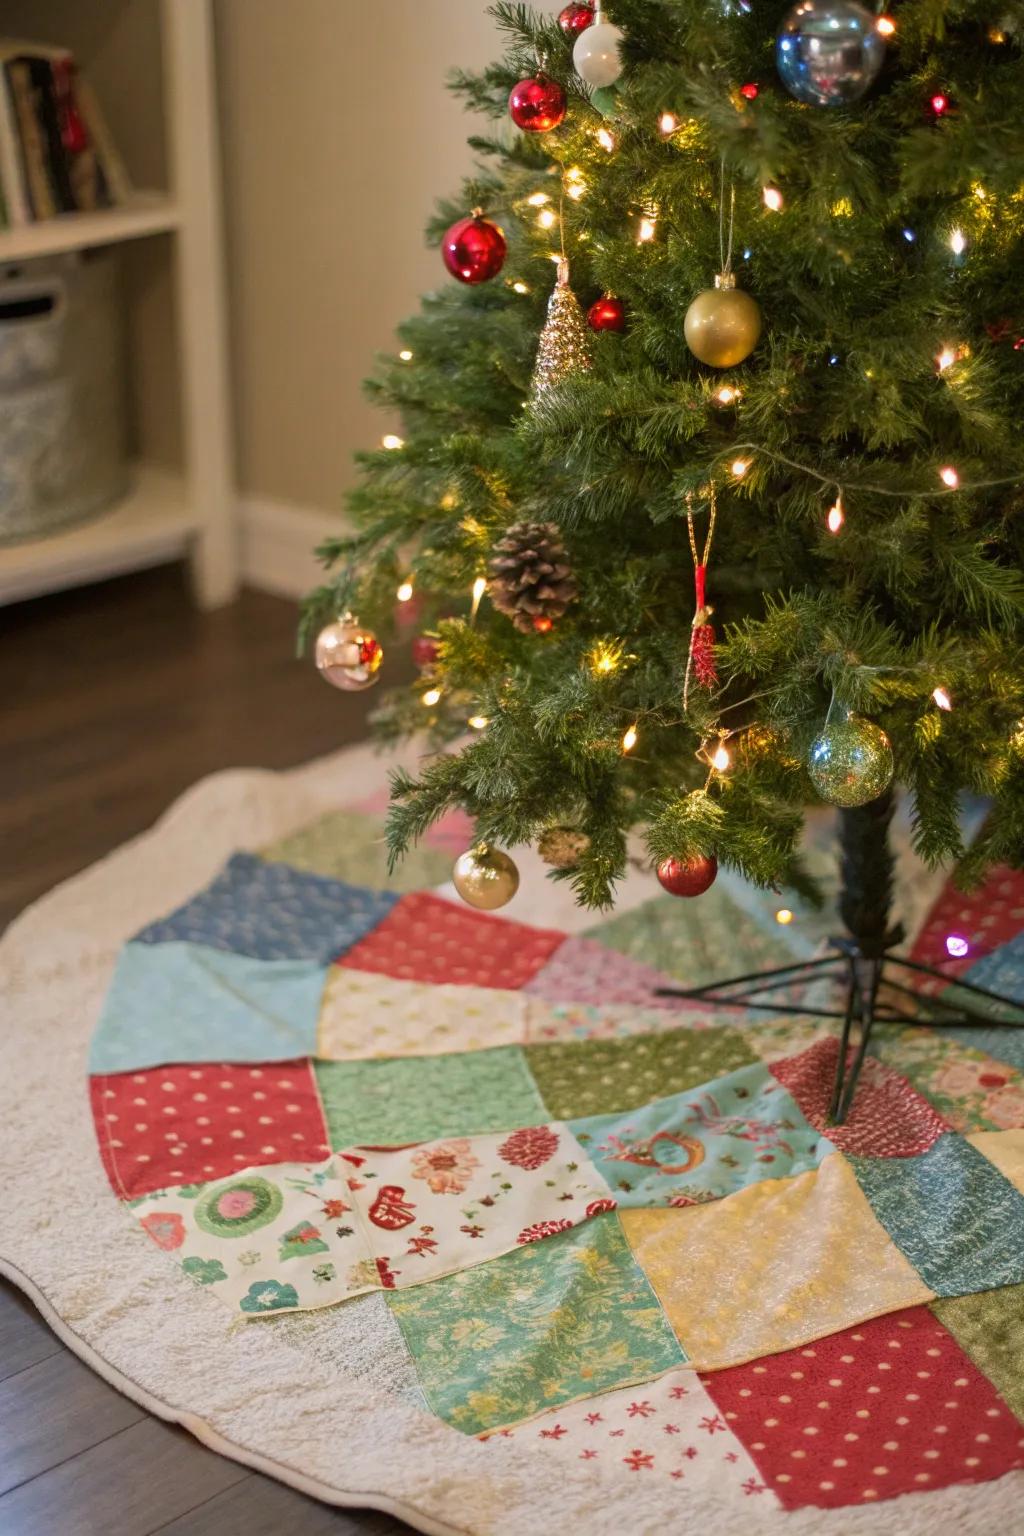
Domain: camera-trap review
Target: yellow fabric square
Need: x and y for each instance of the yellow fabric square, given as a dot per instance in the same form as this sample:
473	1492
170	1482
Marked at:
1004	1149
774	1266
364	1015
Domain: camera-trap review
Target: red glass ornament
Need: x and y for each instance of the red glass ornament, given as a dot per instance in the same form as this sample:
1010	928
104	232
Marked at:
688	877
474	249
939	104
608	314
575	19
749	91
425	650
537	105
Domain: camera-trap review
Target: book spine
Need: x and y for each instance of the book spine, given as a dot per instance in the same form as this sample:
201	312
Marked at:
41	74
12	170
116	188
43	203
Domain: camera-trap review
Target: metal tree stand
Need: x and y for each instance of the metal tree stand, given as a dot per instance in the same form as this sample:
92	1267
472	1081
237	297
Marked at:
863	963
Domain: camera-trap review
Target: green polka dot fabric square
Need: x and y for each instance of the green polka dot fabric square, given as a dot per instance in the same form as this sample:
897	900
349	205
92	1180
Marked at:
349	846
989	1326
547	1324
596	1077
398	1100
711	939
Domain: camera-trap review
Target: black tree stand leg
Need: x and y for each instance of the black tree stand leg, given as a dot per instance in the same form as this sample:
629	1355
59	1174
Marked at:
863	961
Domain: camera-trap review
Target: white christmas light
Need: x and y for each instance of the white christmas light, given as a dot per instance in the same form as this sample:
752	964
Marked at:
836	516
477	722
520	288
739	467
538	199
404	592
629	739
648	228
546	218
784	916
432	697
667	123
720	759
949	476
942	698
772	199
605	139
727	395
945	359
958	242
391	440
406	355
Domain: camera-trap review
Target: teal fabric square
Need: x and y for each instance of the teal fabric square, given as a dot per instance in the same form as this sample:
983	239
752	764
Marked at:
954	1215
704	1143
392	1102
184	1002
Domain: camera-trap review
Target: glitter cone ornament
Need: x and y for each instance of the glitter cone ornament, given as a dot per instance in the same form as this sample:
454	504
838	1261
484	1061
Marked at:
348	655
485	877
688	877
564	349
723	324
562	847
851	762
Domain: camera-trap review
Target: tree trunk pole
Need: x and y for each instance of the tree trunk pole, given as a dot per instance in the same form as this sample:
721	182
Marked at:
865	899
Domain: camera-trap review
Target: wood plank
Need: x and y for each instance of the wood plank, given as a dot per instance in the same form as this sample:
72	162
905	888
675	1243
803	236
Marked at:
126	1486
24	1337
257	1506
55	1410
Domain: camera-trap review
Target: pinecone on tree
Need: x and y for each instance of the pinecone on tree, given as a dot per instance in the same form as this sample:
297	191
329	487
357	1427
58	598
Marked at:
531	578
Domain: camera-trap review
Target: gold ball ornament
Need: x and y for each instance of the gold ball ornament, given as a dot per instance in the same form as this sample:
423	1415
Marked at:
562	847
851	762
485	877
723	324
348	655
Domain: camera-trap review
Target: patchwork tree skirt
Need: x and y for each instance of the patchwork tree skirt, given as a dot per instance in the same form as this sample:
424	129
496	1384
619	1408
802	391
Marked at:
450	1213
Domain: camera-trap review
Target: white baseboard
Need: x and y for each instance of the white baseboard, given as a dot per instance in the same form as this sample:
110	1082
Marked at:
277	540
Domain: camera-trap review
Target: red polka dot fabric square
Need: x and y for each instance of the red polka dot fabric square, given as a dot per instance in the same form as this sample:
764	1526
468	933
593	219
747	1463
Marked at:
985	919
426	938
893	1406
888	1117
190	1124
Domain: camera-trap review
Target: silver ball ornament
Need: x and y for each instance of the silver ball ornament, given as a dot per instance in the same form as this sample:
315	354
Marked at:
723	324
829	52
851	762
348	655
595	54
485	877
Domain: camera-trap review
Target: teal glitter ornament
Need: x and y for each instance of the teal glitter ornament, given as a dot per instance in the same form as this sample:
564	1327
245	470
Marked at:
851	763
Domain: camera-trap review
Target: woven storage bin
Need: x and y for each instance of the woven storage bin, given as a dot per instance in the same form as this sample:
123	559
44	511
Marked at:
62	412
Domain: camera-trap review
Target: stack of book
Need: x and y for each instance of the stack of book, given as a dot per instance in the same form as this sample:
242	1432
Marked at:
56	155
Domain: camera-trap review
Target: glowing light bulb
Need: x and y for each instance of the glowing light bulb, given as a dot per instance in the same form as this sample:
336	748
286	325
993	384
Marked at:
836	516
945	359
520	288
784	916
605	658
720	759
605	139
546	218
739	467
909	236
404	592
956	946
772	199
942	698
957	242
576	190
405	355
939	104
477	722
479	588
629	740
885	25
667	123
431	697
538	199
648	227
391	440
727	395
949	476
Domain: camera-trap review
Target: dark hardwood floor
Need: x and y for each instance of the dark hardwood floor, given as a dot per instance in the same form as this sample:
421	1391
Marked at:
114	699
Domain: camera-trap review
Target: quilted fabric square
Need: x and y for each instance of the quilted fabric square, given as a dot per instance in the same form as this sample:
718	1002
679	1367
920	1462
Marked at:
989	1326
187	1002
704	1144
347	845
670	1430
446	1205
547	1324
1003	1041
427	938
892	1406
971	1090
779	1264
1005	1150
364	1014
987	918
887	1117
954	1215
190	1124
266	1240
695	950
592	1077
394	1102
273	912
584	971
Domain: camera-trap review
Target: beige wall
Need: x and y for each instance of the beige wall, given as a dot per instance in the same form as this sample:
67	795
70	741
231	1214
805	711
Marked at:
338	134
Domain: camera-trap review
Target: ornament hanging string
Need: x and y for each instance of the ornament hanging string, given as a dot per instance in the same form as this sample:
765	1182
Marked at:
700	660
725	248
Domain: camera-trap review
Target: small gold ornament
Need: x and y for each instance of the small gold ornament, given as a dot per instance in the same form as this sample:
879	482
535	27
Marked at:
564	349
485	877
851	762
723	324
349	655
562	847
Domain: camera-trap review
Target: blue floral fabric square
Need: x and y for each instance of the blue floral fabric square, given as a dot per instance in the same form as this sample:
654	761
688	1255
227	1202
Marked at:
703	1143
185	1002
954	1215
273	912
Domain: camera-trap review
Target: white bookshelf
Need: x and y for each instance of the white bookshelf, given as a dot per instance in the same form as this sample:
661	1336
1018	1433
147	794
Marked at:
183	500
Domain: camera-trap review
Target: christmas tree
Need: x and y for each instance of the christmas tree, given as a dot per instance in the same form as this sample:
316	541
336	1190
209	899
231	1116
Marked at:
710	486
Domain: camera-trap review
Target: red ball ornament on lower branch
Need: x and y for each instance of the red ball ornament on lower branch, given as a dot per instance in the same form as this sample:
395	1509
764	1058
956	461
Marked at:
474	249
537	105
688	877
608	314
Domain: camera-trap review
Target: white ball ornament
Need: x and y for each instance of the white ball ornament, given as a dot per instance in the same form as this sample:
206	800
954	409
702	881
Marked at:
595	53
